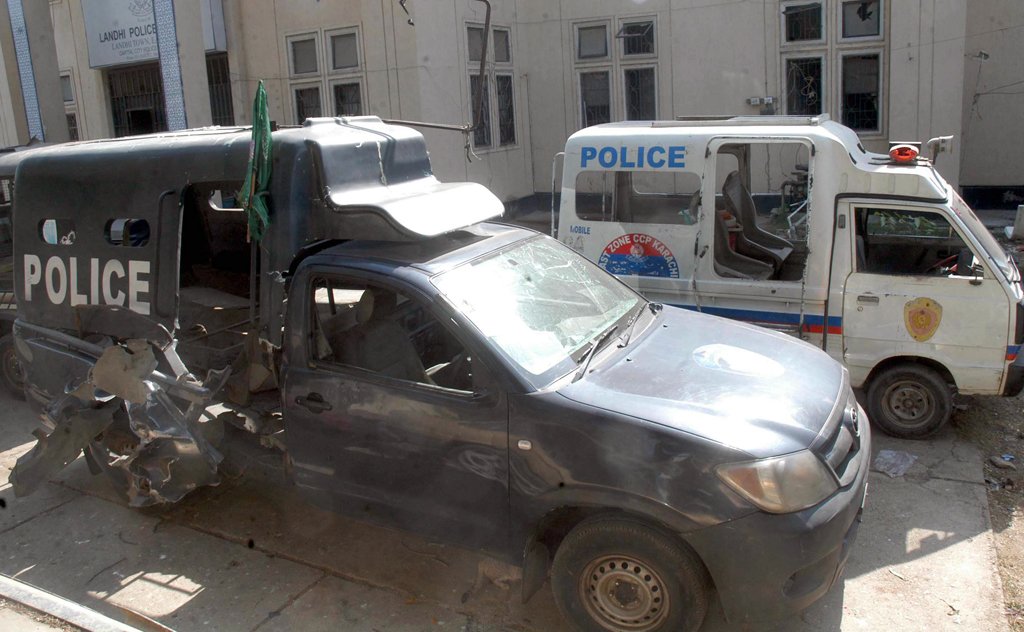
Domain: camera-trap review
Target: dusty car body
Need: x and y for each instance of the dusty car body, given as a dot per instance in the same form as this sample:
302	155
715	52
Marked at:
474	382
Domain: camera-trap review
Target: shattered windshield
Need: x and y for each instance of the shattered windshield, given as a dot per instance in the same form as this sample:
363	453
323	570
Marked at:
539	303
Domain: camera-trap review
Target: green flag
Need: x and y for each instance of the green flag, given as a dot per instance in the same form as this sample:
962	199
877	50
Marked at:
257	177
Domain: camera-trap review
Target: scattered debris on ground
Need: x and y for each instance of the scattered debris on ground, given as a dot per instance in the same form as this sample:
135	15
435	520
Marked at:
893	463
35	615
996	426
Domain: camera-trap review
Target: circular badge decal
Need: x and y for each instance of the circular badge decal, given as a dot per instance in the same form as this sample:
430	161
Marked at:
922	317
638	254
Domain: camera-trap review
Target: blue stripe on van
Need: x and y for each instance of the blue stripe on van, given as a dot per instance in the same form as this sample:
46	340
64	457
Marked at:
812	322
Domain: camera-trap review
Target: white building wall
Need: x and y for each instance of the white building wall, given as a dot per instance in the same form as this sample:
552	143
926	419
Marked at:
926	63
415	72
712	56
992	149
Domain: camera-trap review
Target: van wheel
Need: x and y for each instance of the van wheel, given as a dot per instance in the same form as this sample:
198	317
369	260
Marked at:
618	574
909	401
13	376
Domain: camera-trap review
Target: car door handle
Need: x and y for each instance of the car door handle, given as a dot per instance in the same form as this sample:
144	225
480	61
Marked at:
314	402
867	298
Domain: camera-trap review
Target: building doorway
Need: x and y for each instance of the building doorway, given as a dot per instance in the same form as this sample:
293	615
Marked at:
137	100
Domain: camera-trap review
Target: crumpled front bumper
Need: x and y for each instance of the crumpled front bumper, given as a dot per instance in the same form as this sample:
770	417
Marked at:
768	567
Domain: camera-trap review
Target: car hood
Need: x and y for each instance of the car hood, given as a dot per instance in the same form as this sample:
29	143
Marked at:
748	388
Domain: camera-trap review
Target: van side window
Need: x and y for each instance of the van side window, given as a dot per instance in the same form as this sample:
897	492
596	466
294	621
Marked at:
58	232
376	329
126	232
638	197
906	242
760	218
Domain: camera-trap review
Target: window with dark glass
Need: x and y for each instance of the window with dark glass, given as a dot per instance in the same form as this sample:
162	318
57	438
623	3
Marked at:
506	110
803	86
67	90
803	22
595	95
475	39
344	51
502	46
860	106
640	94
307	103
347	99
637	38
304	56
592	42
862	18
72	126
482	133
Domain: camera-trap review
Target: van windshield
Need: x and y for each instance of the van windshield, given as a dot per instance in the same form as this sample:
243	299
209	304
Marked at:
988	242
539	303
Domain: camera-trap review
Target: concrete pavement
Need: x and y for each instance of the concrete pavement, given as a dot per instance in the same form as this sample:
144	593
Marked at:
251	555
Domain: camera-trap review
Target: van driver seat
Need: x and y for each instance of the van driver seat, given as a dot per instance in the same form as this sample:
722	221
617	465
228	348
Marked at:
739	202
378	343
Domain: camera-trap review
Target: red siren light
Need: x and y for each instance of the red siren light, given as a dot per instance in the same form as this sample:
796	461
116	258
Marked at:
903	153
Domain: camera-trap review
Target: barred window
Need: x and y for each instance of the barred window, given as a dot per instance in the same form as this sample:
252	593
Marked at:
596	98
347	99
641	95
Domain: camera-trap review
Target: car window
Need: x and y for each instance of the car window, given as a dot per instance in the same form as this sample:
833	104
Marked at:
376	329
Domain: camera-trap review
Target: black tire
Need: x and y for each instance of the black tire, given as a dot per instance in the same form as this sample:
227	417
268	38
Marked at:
10	369
909	401
653	582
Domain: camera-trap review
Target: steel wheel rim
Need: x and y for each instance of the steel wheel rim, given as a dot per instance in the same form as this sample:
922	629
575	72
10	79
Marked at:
620	592
12	368
908	403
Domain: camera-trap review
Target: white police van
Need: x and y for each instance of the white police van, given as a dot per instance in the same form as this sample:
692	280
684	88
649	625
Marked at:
788	222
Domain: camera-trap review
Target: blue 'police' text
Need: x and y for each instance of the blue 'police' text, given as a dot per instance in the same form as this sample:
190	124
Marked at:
657	157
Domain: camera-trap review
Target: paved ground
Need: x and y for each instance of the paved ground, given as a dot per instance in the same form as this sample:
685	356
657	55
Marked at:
250	555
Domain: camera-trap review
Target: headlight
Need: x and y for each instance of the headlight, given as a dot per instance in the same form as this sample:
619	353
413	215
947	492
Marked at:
782	484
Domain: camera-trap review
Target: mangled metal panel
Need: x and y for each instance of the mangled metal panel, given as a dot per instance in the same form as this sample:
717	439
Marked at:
128	418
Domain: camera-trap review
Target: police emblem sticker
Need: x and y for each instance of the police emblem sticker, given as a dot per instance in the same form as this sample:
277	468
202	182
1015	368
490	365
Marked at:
639	254
922	317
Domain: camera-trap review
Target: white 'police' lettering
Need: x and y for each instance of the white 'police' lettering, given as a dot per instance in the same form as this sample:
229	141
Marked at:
62	282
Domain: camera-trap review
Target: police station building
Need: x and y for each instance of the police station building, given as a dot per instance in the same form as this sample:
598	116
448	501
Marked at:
890	69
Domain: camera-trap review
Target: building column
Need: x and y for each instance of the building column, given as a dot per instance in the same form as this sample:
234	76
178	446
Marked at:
179	32
39	77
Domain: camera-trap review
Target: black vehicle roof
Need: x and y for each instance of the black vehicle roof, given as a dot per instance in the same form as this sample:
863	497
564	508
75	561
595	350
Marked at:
332	178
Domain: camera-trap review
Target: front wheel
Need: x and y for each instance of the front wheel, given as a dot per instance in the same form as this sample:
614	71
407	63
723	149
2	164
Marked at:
909	401
613	574
12	374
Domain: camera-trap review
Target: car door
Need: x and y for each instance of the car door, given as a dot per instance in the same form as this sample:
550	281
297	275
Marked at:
421	443
904	298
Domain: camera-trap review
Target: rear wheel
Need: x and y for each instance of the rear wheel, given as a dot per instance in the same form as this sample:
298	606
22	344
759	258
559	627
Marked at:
613	574
12	375
909	401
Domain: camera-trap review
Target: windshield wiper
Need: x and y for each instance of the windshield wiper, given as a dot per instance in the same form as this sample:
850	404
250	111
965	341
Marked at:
654	307
592	351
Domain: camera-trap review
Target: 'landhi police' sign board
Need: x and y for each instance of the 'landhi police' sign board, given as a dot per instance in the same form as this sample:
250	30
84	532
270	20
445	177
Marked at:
124	31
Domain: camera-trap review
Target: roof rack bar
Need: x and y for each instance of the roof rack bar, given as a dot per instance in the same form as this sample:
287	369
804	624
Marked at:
707	120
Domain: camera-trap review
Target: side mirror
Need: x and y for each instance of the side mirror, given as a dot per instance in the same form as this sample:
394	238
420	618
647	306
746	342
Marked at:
964	262
965	266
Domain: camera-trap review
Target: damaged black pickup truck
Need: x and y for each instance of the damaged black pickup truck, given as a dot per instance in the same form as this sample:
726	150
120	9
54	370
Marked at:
469	380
